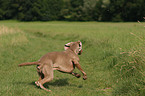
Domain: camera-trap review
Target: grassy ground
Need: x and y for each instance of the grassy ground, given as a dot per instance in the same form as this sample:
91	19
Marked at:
104	46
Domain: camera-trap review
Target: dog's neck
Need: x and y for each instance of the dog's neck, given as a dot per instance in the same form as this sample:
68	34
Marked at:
72	50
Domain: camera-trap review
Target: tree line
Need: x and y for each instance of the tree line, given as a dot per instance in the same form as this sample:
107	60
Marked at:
72	10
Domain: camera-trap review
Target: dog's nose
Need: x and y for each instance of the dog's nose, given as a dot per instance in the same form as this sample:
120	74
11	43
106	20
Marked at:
80	52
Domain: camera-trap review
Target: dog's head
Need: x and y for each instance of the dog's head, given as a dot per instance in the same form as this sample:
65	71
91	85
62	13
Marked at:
77	46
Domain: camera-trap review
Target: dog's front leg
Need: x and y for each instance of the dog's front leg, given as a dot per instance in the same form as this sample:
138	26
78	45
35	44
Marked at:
79	67
76	74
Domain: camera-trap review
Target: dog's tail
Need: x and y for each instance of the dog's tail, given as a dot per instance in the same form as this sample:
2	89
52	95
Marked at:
29	63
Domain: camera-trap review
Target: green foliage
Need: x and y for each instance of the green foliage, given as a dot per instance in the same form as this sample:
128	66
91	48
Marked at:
31	10
72	10
125	10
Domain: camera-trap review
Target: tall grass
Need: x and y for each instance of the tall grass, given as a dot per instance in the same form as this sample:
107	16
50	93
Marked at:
11	36
128	69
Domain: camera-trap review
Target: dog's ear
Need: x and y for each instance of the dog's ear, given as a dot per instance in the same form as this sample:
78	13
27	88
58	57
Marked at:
66	46
80	43
80	46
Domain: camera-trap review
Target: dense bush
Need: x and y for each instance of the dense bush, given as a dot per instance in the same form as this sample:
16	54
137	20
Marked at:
72	10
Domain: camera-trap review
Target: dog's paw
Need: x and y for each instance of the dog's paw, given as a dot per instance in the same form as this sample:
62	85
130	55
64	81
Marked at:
84	77
37	83
78	75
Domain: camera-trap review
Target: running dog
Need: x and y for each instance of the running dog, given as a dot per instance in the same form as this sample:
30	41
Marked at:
64	61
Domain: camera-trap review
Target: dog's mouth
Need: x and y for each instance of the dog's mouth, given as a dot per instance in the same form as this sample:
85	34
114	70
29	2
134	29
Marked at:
80	52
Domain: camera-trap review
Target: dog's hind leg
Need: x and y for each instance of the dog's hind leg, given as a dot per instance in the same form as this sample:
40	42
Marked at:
41	75
48	76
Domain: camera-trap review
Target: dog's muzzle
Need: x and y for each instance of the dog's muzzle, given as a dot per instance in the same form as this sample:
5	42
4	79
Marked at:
80	52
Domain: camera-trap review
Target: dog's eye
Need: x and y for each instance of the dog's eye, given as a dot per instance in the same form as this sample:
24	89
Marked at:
79	45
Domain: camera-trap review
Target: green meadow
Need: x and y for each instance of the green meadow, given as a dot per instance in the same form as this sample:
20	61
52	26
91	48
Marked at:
113	58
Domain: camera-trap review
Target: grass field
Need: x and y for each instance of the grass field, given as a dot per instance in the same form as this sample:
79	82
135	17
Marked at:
113	58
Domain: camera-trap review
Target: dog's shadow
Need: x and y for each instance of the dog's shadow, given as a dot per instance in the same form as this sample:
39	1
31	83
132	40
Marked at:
59	82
